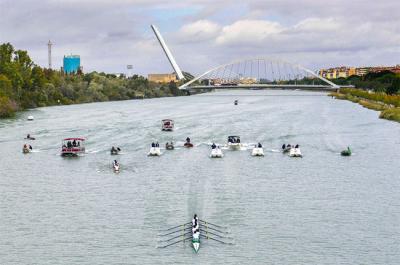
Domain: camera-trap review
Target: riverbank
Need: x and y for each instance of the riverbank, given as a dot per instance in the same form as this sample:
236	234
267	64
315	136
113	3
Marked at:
25	85
388	105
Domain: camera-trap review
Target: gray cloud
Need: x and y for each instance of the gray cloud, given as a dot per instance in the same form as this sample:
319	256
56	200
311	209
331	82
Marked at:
204	33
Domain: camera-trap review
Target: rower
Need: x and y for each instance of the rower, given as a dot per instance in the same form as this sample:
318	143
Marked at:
187	139
284	146
297	146
115	163
195	221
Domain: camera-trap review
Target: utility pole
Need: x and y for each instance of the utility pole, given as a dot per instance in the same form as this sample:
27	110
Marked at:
49	44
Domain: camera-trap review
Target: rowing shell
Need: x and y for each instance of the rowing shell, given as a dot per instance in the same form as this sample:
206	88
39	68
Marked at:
196	244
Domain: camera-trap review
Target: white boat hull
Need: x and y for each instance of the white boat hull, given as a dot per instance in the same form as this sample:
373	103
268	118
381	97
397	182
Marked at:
116	168
196	246
26	150
295	152
234	146
257	152
216	153
155	151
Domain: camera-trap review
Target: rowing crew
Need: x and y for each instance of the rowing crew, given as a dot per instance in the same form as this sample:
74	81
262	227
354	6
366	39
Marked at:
195	233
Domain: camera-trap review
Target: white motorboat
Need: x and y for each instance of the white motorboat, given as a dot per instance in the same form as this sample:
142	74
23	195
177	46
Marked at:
234	143
155	151
295	152
257	151
216	153
30	118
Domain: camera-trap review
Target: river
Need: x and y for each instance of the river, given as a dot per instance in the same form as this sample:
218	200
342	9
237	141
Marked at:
319	209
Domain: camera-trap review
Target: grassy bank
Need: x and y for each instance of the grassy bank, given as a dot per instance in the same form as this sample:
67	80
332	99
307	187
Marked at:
388	105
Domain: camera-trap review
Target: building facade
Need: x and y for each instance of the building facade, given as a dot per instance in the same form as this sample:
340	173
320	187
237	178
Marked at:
162	78
344	71
71	64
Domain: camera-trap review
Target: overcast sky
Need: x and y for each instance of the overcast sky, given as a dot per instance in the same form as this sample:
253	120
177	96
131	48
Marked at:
109	34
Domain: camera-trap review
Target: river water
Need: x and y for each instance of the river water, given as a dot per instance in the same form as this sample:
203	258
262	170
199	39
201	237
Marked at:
320	209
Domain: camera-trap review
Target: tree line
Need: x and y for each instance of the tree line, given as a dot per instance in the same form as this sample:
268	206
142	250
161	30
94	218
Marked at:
380	82
23	85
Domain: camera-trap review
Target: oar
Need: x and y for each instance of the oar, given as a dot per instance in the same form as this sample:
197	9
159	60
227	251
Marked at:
175	243
177	236
176	226
211	233
228	243
176	231
213	224
220	231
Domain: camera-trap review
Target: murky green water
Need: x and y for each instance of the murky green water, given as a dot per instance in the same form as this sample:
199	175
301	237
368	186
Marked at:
321	209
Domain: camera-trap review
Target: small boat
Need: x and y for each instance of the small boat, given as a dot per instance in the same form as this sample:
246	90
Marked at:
257	151
155	151
169	146
192	232
216	153
234	142
295	152
188	145
167	125
26	149
115	151
236	102
30	118
72	146
346	152
116	166
28	137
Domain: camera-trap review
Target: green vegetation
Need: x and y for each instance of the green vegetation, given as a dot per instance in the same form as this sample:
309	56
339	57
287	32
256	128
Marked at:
381	82
378	91
389	105
25	85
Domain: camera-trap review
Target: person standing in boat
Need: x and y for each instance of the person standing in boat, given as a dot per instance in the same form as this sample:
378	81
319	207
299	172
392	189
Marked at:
153	144
259	145
213	146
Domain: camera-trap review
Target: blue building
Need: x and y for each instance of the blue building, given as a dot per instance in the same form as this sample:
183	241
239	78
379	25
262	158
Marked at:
72	63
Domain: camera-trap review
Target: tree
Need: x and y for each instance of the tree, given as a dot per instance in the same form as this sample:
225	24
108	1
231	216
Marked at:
395	87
